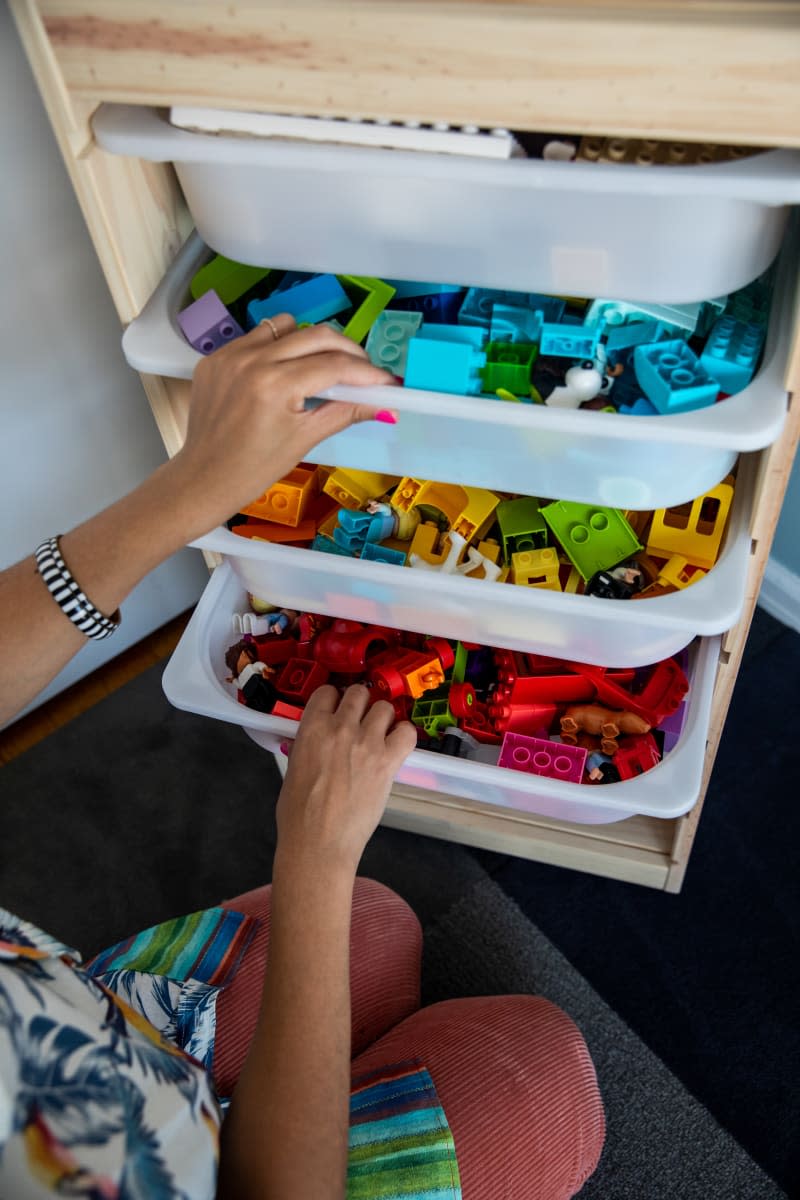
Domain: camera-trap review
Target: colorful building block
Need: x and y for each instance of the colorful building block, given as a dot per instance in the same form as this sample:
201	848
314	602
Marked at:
439	366
207	324
569	341
751	303
385	554
512	324
636	755
471	335
441	308
271	531
732	351
287	500
413	287
315	300
469	511
536	568
479	304
640	408
326	545
352	489
299	678
433	715
368	297
693	530
540	756
614	313
387	342
509	365
593	538
291	279
229	279
398	672
672	377
293	712
522	526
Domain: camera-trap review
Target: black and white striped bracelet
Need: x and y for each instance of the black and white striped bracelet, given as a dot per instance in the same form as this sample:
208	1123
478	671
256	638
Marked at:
68	595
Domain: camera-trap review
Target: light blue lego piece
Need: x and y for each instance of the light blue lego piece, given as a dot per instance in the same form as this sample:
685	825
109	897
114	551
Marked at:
672	378
444	366
410	287
327	546
731	352
291	279
710	310
312	301
472	335
570	341
387	342
640	408
512	324
638	333
751	303
375	553
620	312
479	303
356	528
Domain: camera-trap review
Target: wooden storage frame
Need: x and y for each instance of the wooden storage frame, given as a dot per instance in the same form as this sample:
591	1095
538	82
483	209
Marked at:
700	71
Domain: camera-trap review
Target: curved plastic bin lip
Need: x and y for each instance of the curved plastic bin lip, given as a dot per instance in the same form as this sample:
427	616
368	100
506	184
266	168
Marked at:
770	178
749	420
668	790
710	606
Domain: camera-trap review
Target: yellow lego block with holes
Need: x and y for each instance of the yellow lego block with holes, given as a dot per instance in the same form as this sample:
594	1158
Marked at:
406	492
469	511
536	568
693	530
678	572
352	489
423	544
287	500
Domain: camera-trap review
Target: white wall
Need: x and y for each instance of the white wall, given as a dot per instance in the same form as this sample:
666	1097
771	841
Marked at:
76	430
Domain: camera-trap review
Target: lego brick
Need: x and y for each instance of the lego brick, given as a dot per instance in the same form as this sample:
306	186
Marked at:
315	300
326	545
479	303
287	500
291	711
352	489
376	553
513	324
508	366
522	526
368	297
540	756
593	538
536	568
442	308
569	341
399	671
678	317
636	755
635	333
440	366
387	343
271	531
752	302
692	530
731	353
673	378
229	279
434	716
207	325
640	408
412	287
470	335
299	678
291	279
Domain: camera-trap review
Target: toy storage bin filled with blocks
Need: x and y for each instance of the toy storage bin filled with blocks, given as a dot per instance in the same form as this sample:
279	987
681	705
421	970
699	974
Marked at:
500	770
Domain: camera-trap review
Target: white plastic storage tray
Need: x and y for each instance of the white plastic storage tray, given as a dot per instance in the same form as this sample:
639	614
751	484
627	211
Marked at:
193	681
589	229
595	457
587	628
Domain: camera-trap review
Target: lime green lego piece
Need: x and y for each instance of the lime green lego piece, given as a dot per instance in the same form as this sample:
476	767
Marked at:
433	716
522	526
229	279
509	366
460	664
593	538
369	298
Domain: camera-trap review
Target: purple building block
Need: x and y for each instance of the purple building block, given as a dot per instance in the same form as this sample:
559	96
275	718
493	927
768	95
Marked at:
540	756
207	324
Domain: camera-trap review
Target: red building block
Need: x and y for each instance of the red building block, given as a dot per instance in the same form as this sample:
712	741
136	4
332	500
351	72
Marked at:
299	678
523	718
275	650
661	695
399	672
347	646
282	709
479	725
636	755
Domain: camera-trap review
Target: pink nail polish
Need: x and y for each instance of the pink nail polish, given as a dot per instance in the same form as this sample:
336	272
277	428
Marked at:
387	417
284	747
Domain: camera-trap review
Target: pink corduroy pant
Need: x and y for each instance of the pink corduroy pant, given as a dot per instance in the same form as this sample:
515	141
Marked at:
513	1073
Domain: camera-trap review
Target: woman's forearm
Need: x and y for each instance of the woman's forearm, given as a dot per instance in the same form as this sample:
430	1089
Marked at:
285	1136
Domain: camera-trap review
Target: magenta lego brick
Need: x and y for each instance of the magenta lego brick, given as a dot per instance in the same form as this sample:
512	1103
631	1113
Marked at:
540	756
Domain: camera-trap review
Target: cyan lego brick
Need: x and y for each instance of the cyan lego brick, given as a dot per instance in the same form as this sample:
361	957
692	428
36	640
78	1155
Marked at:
207	324
637	333
291	279
512	324
472	335
731	352
327	546
569	341
376	553
440	308
411	287
443	366
682	317
312	301
387	342
752	303
672	378
639	408
478	306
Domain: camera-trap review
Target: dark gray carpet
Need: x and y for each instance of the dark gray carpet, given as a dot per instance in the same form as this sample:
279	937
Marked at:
136	812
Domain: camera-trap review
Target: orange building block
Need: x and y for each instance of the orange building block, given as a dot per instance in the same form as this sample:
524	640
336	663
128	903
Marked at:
270	531
287	500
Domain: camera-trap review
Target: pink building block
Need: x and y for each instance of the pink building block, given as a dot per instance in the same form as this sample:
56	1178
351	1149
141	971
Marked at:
540	756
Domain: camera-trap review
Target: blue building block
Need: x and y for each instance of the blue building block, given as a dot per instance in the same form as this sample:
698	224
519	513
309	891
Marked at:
639	408
680	317
570	341
444	366
409	287
479	303
440	308
291	279
471	335
512	324
731	353
752	303
387	341
638	333
312	301
356	528
375	553
207	324
672	378
327	546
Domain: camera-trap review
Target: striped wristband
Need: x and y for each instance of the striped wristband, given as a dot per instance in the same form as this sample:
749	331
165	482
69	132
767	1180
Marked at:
68	595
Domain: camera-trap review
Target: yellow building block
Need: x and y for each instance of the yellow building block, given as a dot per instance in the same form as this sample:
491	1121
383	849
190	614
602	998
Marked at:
574	582
423	544
693	530
469	511
536	568
678	572
353	489
287	500
406	492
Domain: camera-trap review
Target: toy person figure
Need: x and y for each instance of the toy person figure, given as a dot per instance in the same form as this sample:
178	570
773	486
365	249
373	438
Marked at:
618	583
392	522
251	676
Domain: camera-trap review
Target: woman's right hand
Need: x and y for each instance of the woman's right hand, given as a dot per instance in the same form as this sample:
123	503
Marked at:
341	768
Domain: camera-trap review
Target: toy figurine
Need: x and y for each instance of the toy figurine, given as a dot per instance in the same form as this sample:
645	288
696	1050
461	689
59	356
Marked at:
600	769
394	523
250	676
617	583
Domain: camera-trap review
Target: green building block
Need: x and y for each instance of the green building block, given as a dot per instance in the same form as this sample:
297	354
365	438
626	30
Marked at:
460	664
522	526
509	366
592	537
369	297
229	279
433	716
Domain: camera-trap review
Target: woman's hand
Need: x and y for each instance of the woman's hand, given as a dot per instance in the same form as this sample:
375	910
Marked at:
247	422
341	769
